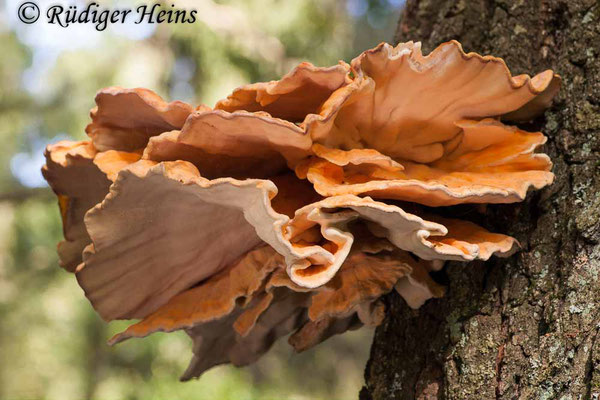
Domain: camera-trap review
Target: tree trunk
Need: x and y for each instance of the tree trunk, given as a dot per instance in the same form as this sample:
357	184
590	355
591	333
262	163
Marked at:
524	327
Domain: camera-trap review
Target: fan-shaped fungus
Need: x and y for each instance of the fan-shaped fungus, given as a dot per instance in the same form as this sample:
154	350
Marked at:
294	205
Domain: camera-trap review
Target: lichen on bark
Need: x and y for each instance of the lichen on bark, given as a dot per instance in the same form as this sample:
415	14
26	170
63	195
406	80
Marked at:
524	327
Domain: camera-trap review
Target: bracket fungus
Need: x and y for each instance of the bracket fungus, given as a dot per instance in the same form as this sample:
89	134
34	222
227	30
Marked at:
294	205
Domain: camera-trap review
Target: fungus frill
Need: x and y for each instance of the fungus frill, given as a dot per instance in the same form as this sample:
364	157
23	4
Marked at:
294	205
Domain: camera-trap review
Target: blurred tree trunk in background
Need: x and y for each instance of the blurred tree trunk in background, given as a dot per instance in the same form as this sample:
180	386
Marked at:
525	327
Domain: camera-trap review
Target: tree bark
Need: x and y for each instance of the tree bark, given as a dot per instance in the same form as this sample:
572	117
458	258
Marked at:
524	327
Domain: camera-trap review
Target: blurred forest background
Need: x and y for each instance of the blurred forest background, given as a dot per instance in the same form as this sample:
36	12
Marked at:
52	344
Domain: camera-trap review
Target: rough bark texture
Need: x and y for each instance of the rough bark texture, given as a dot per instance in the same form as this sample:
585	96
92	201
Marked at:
525	327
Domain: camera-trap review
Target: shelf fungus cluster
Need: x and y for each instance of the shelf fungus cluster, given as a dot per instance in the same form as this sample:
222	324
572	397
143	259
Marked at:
292	206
